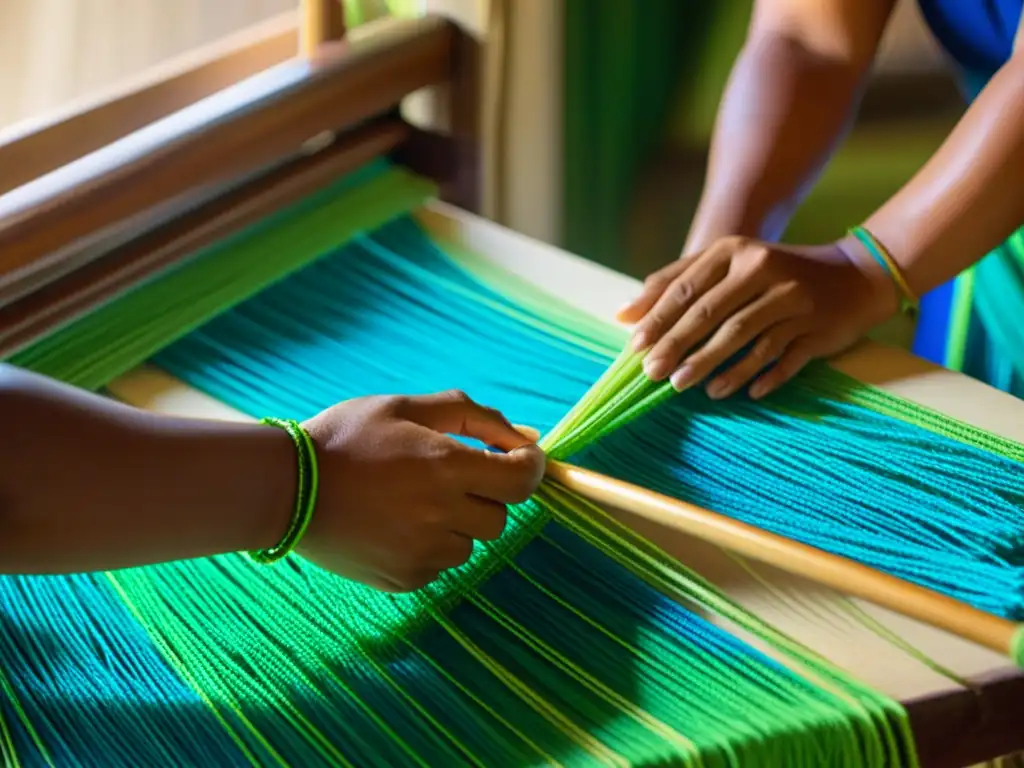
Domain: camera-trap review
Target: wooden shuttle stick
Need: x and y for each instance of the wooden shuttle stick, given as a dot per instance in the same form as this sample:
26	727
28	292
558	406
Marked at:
839	573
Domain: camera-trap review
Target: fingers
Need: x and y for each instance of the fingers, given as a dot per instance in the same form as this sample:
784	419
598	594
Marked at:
768	348
698	323
453	551
407	581
508	478
678	298
445	553
422	564
455	413
789	365
474	517
654	286
529	433
735	333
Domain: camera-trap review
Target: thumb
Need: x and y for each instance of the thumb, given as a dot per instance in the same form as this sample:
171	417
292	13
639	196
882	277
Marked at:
510	477
531	434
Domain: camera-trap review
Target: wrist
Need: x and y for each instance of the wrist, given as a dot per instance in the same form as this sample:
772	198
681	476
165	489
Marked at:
883	296
714	221
268	504
222	487
304	496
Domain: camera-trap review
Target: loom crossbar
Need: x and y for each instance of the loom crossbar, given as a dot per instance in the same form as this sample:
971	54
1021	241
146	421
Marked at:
244	130
86	286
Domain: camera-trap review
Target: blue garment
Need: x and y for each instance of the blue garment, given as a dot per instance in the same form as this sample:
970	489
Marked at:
978	36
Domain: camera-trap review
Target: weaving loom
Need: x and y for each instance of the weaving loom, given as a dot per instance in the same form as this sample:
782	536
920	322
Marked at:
234	270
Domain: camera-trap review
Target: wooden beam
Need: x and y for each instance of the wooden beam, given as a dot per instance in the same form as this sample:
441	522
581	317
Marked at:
34	148
63	299
258	123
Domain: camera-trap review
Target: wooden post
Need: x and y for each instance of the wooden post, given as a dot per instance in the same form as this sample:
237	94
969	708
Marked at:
323	21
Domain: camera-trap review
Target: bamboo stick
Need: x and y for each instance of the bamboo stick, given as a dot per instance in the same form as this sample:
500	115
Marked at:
843	575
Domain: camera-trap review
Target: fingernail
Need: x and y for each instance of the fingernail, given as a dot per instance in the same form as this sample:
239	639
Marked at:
656	368
639	341
681	378
528	432
758	390
717	389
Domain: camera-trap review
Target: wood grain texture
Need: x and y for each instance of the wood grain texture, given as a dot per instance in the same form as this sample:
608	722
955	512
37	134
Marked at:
34	148
257	123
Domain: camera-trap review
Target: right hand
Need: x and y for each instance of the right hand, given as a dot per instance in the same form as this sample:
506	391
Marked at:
786	304
399	499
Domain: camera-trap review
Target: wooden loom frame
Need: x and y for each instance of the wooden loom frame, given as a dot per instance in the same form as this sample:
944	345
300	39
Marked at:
114	193
181	163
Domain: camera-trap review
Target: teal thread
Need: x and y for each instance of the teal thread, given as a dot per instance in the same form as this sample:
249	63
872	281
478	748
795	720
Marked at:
929	520
574	651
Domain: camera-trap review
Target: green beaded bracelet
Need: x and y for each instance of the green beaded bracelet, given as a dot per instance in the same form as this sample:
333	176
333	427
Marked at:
305	493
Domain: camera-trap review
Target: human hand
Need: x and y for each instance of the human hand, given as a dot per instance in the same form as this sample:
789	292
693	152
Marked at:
790	304
399	499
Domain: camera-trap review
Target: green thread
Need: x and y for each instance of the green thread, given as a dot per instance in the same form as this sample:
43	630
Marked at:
1017	647
92	351
548	759
825	380
960	320
175	662
870	711
307	485
248	640
584	740
23	718
862	617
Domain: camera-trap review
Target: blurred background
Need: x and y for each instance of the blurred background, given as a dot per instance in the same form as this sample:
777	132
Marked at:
607	104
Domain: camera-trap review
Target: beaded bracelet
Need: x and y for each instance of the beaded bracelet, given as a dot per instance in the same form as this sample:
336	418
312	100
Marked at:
908	301
305	494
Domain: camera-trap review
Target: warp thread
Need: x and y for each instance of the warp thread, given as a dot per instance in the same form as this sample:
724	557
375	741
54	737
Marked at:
550	651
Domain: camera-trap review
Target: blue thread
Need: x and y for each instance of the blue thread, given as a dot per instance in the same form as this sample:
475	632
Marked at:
92	684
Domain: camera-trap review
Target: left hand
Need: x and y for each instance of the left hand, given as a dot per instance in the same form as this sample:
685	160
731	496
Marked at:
792	304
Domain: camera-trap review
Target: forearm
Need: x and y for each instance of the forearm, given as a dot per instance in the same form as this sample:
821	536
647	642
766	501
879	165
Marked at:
87	484
783	113
969	196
